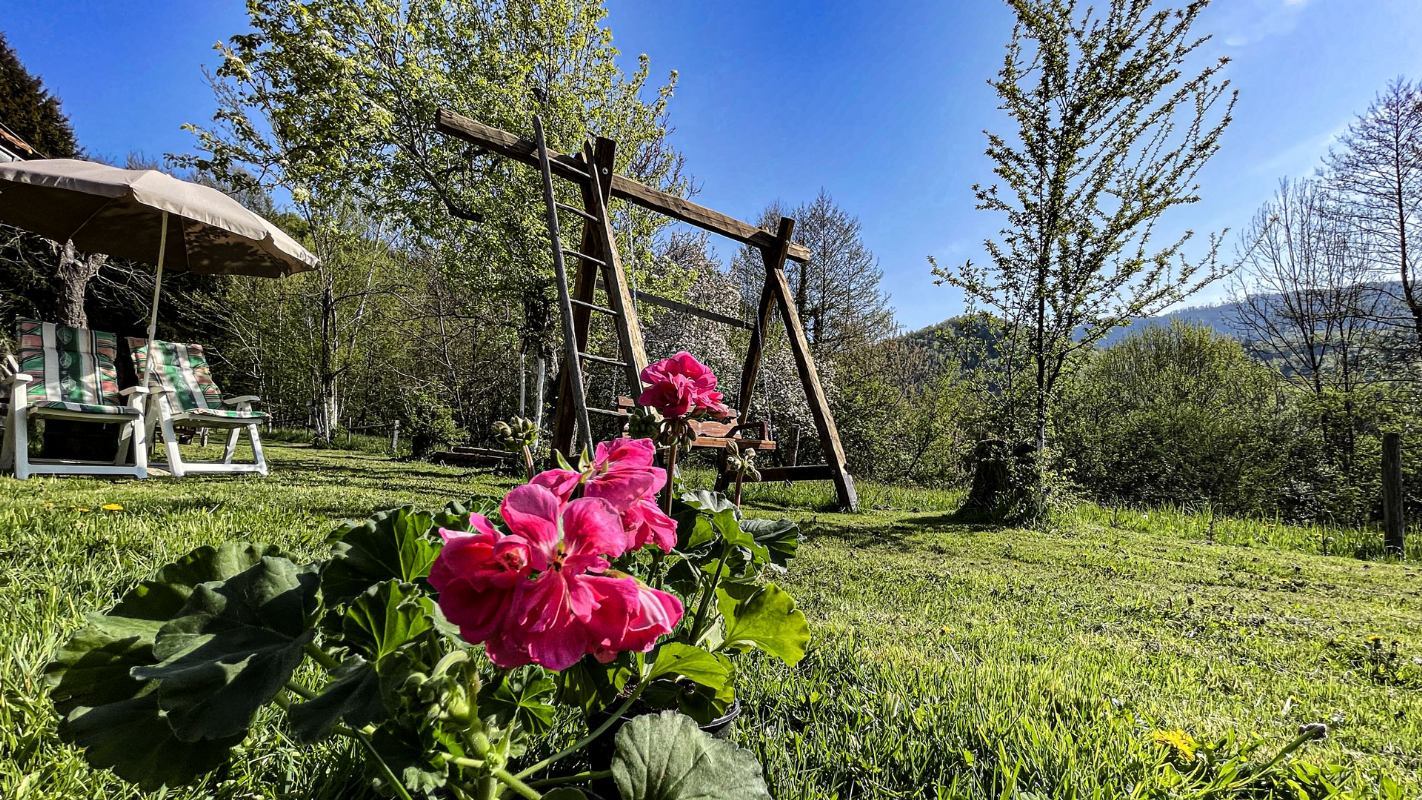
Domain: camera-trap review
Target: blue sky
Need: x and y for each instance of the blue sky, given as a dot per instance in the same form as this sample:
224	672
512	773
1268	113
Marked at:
880	103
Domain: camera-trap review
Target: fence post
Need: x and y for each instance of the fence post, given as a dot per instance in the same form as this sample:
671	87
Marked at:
1394	523
395	439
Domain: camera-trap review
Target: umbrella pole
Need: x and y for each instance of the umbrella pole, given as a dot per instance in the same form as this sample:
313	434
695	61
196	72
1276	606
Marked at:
157	287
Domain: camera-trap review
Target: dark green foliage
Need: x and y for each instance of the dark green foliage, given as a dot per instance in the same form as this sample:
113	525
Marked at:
28	109
1174	415
391	544
428	422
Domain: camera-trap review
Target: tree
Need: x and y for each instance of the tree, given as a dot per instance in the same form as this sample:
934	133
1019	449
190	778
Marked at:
1110	131
1303	298
1376	170
838	290
335	104
1176	414
30	111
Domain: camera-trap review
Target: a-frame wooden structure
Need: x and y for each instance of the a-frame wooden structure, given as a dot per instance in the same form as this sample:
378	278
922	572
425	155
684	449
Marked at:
592	171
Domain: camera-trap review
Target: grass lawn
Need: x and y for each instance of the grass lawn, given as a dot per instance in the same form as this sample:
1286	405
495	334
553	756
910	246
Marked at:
949	661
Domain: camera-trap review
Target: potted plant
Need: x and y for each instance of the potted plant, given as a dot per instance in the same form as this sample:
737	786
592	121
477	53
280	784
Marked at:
445	644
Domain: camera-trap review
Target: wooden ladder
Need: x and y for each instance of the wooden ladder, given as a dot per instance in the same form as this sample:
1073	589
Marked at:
596	258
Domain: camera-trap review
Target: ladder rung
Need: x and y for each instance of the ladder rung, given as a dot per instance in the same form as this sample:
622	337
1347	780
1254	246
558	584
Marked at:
585	215
584	256
606	412
594	307
602	359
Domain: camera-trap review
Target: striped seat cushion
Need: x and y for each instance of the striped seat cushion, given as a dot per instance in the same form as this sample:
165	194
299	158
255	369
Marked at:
222	413
39	409
182	370
70	366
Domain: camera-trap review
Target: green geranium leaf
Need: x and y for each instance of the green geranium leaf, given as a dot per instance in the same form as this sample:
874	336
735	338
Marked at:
455	514
392	545
764	617
525	696
233	648
163	595
707	501
353	697
780	537
699	666
565	793
667	757
386	617
133	738
111	714
410	756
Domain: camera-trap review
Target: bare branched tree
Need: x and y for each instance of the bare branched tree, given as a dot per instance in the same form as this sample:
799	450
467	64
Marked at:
1302	294
1376	171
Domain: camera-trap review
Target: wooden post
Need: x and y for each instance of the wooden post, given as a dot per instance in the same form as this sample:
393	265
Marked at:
809	376
1394	523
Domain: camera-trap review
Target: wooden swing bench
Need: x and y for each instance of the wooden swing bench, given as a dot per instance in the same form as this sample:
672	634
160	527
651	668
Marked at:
718	435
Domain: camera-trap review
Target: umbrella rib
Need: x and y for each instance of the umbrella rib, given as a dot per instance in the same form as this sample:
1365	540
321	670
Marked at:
89	218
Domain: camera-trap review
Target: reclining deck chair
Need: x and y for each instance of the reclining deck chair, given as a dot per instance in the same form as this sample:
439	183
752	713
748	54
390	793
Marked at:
183	394
68	373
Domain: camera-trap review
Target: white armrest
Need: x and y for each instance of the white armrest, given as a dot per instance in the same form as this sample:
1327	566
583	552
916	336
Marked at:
246	398
133	390
20	377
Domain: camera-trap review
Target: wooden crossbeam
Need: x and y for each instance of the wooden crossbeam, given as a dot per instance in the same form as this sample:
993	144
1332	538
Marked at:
686	308
496	140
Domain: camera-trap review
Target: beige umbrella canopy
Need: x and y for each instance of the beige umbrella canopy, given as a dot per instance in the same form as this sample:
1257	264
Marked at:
145	215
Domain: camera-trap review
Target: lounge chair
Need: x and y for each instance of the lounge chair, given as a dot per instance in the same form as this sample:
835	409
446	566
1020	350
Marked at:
183	394
68	373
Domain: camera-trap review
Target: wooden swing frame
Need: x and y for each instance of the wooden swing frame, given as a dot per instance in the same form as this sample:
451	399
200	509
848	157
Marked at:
775	248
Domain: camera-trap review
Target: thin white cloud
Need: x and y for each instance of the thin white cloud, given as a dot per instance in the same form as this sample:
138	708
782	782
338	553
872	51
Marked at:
1245	22
1302	157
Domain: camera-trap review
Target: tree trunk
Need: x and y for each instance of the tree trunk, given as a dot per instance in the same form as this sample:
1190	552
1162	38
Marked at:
74	271
67	439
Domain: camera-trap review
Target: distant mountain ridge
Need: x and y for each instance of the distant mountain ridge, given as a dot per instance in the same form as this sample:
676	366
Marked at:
1222	318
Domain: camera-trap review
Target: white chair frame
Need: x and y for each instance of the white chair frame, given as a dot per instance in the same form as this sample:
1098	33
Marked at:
14	452
161	414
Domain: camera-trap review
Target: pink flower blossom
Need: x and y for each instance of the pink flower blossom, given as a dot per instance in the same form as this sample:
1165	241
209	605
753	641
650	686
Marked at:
681	387
646	523
477	575
539	595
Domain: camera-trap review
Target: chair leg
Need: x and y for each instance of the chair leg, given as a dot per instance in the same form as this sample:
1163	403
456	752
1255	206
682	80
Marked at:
126	440
170	442
257	455
140	448
231	451
7	444
20	435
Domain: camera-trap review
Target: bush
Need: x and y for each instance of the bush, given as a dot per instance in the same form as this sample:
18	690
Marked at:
1175	415
428	423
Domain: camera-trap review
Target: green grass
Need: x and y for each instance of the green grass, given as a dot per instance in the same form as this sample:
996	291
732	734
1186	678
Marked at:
949	660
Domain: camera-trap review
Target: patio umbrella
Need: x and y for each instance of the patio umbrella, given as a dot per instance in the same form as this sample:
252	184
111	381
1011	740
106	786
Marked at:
148	216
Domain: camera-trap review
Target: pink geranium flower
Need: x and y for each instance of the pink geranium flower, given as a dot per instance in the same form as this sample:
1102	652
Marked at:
540	595
622	472
477	575
681	387
646	523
